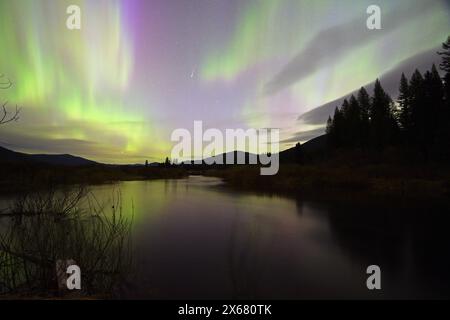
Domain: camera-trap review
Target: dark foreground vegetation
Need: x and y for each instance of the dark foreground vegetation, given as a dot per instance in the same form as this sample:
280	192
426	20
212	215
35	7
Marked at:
45	229
340	179
18	177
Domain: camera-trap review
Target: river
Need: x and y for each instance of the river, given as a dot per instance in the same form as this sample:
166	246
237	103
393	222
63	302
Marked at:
196	238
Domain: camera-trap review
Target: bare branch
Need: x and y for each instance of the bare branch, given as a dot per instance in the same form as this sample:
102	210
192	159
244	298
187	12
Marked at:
7	116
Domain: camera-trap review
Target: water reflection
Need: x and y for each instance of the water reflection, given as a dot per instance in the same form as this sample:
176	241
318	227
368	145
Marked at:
194	238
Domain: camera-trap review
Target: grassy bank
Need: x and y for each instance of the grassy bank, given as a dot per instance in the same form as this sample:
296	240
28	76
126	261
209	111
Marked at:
327	180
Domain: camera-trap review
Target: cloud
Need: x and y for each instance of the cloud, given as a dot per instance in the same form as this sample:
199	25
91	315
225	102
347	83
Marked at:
302	136
331	44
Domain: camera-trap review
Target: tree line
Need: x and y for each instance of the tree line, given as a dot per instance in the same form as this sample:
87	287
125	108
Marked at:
417	120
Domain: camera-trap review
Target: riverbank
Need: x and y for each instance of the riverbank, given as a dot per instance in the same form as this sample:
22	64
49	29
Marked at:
356	183
20	178
326	180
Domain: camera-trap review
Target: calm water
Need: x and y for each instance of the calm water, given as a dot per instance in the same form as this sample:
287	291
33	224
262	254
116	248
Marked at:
196	239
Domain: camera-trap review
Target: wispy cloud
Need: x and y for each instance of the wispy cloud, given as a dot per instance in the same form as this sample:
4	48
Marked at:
331	44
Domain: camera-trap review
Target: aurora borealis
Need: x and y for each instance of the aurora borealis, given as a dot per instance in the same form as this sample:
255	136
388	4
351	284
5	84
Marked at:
138	69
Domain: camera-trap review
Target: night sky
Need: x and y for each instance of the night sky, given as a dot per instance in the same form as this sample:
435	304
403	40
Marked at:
116	89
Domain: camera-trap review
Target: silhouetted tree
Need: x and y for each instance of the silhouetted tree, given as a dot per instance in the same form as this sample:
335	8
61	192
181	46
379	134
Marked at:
330	131
433	98
329	127
417	101
167	162
364	105
421	117
382	122
437	87
339	128
146	163
404	116
353	123
445	54
344	130
298	153
444	132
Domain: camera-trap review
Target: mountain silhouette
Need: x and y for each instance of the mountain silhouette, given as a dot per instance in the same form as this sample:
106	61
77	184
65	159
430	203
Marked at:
10	156
313	148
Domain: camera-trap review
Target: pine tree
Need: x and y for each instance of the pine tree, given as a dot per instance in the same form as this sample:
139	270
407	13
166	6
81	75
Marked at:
403	100
381	118
353	123
438	86
434	95
329	129
337	129
445	66
364	105
345	130
417	103
444	127
422	114
445	54
345	107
